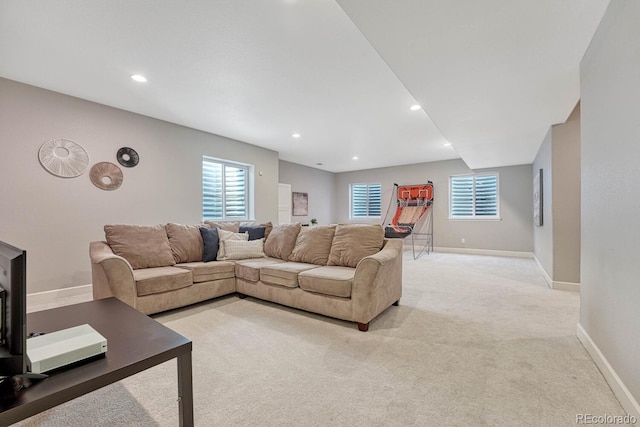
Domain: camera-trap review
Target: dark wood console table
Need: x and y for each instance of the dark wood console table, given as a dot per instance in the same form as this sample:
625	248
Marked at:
135	343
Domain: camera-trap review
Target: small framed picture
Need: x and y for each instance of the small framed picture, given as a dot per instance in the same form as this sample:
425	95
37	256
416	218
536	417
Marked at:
300	204
537	199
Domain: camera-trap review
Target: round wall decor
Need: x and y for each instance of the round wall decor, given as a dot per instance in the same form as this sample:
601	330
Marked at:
106	176
128	157
63	158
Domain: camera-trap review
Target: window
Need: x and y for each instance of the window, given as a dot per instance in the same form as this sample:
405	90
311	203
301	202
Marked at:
474	197
366	200
225	189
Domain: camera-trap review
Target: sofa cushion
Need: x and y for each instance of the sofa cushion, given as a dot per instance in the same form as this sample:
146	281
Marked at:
156	280
228	235
313	244
206	271
185	242
331	280
284	274
234	227
240	249
281	241
249	269
142	246
255	231
352	242
210	243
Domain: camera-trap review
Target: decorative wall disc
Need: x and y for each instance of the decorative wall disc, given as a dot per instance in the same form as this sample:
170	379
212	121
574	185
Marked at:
128	157
106	176
63	158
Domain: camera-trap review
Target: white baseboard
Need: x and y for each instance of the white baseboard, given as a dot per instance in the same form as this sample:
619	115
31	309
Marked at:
566	286
628	402
544	272
555	284
490	252
56	294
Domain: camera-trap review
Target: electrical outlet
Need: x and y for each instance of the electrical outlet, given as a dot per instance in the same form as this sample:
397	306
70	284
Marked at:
462	240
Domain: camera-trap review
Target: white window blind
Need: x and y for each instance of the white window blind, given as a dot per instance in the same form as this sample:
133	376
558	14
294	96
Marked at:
225	189
474	196
366	200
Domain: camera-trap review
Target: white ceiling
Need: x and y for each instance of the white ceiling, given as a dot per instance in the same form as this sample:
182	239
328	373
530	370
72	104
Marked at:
493	75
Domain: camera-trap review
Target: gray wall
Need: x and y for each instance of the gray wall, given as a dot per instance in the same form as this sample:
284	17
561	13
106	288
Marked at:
566	199
543	235
317	183
55	218
512	233
557	241
610	272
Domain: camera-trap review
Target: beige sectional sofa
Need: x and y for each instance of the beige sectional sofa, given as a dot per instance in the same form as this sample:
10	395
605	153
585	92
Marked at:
348	272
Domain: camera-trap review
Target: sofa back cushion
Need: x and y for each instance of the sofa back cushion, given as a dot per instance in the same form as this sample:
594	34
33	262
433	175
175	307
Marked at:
352	242
227	226
313	244
143	246
281	241
185	242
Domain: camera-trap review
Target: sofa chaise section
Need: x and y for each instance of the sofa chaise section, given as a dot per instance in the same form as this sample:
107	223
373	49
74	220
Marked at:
375	284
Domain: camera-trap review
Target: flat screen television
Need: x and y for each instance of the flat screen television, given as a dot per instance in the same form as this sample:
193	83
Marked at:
13	288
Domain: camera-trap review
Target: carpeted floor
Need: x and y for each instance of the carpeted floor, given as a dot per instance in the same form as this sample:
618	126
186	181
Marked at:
476	341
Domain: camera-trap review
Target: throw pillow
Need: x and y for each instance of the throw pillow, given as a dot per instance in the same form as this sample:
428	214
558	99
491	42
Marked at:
353	242
142	246
281	240
211	243
228	235
185	242
255	232
240	249
267	225
313	244
227	226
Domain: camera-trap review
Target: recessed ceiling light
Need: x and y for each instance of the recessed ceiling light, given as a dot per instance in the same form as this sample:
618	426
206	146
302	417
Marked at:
139	78
355	157
296	135
447	144
415	107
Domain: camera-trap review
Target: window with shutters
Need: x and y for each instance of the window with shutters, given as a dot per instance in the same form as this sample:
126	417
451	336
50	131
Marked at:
474	196
225	189
366	200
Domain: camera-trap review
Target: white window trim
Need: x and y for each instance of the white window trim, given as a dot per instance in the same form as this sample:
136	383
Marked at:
474	217
351	217
249	191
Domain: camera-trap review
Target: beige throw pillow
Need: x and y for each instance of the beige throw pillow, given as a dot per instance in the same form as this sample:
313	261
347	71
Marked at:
225	236
281	240
227	226
142	246
313	244
185	241
241	249
352	242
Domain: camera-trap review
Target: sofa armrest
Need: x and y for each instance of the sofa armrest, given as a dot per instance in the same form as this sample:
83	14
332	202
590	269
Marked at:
378	281
111	274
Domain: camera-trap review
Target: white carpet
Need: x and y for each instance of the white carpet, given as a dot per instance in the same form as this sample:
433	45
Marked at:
476	341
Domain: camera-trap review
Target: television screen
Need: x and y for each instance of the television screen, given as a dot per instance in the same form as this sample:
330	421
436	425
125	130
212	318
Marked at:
13	287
